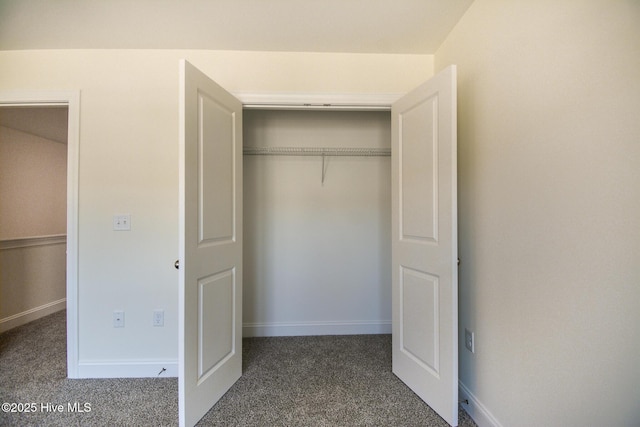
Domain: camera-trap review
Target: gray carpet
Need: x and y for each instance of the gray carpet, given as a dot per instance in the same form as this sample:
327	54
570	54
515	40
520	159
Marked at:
287	381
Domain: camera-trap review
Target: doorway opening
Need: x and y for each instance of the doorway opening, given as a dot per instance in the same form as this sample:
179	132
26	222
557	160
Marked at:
41	131
317	228
33	212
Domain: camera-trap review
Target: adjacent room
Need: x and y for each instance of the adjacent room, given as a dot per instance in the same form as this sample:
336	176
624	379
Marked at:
33	213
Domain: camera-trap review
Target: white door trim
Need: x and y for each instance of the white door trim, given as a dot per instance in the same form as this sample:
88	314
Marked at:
317	101
71	99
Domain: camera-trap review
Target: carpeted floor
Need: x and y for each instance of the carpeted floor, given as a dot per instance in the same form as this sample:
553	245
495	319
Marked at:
287	381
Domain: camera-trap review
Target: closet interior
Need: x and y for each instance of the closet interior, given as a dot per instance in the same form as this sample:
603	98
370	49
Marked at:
317	222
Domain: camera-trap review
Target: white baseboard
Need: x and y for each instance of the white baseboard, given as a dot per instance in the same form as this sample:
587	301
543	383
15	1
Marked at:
479	412
32	314
315	328
128	369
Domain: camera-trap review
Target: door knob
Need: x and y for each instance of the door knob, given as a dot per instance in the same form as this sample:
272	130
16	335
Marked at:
177	264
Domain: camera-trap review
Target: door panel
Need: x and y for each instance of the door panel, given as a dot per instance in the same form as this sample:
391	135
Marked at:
419	304
216	301
424	246
419	172
210	297
215	169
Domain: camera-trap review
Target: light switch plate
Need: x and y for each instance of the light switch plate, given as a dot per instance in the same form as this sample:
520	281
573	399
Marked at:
122	222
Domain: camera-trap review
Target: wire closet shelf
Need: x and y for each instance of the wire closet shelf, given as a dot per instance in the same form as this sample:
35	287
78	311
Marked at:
314	151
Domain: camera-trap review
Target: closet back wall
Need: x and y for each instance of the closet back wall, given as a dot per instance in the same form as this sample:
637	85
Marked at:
317	256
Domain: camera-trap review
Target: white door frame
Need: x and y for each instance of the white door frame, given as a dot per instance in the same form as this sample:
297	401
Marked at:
70	99
317	101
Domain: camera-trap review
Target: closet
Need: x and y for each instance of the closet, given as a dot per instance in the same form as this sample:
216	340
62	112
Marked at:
317	222
297	222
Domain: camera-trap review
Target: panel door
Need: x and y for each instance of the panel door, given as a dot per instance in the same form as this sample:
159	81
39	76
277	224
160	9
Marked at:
210	296
424	246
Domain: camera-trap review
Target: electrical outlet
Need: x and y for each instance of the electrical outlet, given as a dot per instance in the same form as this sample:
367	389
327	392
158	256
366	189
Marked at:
118	319
158	317
469	340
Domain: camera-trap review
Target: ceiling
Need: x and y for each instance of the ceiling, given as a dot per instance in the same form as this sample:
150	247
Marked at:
354	26
45	122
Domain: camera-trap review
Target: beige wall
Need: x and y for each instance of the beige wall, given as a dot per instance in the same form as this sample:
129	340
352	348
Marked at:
32	205
33	185
129	164
549	199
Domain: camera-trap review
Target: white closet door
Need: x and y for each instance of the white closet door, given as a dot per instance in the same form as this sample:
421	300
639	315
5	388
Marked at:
424	243
210	296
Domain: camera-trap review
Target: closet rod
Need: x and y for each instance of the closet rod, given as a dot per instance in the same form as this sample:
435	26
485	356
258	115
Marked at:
314	151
